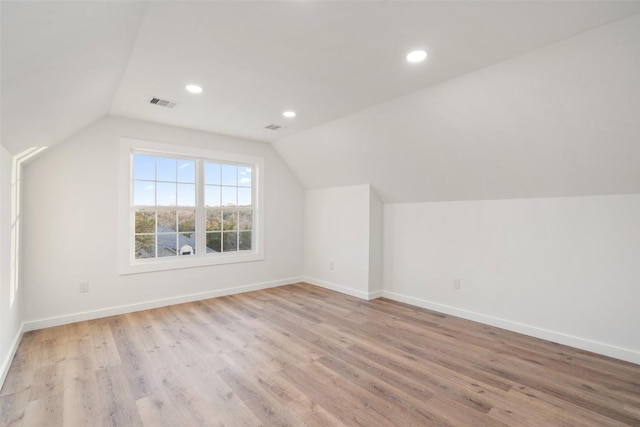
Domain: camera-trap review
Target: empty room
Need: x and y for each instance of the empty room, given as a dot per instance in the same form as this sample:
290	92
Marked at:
320	213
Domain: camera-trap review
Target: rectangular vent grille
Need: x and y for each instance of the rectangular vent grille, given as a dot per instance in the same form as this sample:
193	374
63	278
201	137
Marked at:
273	127
163	102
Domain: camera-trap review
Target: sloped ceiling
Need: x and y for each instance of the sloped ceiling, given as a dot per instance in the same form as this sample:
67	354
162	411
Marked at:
322	59
340	65
62	63
563	120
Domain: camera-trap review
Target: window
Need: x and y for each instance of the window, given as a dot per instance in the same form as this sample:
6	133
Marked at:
164	202
227	198
19	160
188	207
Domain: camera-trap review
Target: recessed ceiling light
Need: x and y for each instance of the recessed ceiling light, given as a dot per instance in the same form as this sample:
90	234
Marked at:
417	56
193	88
289	114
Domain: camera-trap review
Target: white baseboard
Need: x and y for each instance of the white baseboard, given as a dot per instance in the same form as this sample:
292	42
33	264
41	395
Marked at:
6	363
130	308
558	337
376	294
343	289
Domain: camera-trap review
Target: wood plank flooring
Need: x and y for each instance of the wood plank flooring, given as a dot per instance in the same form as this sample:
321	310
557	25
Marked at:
300	355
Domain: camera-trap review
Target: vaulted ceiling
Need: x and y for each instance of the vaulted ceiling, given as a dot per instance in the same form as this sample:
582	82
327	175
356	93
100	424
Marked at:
562	120
66	64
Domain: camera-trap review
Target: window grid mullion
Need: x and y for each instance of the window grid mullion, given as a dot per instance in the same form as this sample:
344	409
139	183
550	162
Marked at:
201	238
155	232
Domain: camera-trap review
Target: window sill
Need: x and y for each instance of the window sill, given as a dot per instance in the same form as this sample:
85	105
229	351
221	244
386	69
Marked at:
163	264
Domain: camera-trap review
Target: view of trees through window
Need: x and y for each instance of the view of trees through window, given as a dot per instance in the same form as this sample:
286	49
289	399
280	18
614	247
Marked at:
170	193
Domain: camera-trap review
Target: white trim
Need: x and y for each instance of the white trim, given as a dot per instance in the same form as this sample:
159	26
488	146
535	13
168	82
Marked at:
626	354
342	289
127	266
376	294
6	363
130	308
161	264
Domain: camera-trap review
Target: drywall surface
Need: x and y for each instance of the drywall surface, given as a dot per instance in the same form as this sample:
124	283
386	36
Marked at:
564	269
376	243
71	228
561	120
10	300
336	239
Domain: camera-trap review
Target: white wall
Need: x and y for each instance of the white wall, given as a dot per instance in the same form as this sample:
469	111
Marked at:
71	228
376	243
336	230
564	269
10	311
337	240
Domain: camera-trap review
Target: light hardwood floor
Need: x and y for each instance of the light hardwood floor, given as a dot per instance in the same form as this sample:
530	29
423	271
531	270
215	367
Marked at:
300	355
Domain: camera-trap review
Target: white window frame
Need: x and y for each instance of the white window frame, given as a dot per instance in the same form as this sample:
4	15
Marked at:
127	262
18	163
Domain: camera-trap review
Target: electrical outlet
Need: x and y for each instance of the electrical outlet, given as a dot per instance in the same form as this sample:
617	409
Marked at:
331	265
455	284
84	286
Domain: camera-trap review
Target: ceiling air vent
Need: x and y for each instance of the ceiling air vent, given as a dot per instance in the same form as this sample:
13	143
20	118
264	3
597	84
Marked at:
163	102
274	127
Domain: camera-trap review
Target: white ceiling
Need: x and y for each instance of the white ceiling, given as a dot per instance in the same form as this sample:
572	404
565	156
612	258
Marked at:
62	63
562	120
65	64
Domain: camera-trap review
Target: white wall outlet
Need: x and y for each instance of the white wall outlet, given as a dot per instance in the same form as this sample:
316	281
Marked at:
331	265
455	284
84	286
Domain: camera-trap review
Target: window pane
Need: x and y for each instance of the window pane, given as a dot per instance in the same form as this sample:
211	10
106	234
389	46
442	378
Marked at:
167	245
214	220
244	197
186	220
212	195
214	242
145	221
144	167
186	171
144	193
230	241
244	176
187	244
145	246
230	221
245	220
165	169
166	221
186	195
229	175
212	173
229	196
245	240
165	194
